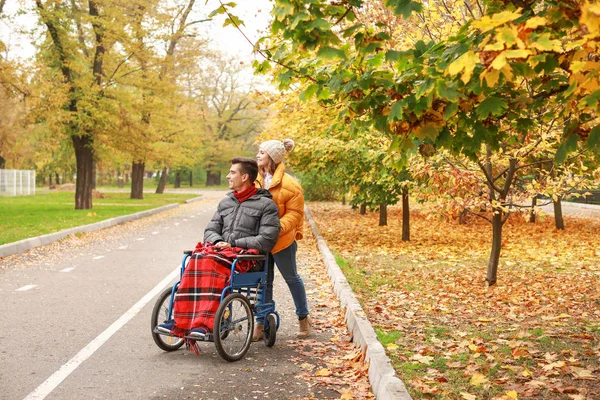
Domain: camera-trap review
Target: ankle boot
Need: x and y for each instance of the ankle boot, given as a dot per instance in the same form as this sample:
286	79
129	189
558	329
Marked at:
258	333
304	326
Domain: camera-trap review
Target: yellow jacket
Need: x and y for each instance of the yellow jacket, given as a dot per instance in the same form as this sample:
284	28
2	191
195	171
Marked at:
289	197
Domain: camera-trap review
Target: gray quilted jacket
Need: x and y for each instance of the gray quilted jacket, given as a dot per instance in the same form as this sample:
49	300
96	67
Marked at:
253	224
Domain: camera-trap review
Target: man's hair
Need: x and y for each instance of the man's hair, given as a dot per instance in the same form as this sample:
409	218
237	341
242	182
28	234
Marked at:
247	166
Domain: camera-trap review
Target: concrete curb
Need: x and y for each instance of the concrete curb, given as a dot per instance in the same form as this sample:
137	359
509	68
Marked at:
27	244
188	201
384	382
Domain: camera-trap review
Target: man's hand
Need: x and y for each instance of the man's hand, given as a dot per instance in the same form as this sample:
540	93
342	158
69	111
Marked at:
222	245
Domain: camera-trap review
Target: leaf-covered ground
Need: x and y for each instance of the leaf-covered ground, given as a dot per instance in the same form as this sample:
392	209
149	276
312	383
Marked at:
341	365
534	335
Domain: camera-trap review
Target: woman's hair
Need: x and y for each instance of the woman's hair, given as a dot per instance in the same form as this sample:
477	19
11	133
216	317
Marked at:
272	166
247	166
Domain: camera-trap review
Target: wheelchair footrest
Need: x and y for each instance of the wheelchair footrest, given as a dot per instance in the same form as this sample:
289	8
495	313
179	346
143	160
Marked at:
207	337
164	333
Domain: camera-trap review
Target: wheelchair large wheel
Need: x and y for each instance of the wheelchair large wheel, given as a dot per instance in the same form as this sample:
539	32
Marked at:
270	331
233	327
160	313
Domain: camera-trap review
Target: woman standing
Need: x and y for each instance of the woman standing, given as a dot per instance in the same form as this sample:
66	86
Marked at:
289	197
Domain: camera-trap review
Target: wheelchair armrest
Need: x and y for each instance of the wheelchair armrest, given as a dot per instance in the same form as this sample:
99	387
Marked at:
188	252
250	257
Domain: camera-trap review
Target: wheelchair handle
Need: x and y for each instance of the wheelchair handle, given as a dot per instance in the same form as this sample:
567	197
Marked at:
188	252
251	257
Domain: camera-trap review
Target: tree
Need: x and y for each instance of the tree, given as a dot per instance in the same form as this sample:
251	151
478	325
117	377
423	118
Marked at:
228	107
82	69
469	93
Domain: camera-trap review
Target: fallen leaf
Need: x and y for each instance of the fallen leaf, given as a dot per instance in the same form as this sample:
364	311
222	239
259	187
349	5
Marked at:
347	395
323	372
581	373
468	396
512	394
422	359
478	379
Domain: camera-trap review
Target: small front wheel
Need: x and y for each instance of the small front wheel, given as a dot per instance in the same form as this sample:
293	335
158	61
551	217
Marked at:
233	327
270	331
160	314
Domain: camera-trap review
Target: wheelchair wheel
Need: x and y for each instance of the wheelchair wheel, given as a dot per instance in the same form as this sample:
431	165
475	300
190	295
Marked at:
270	331
160	313
233	327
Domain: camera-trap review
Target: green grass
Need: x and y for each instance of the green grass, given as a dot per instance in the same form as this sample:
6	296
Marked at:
387	337
23	217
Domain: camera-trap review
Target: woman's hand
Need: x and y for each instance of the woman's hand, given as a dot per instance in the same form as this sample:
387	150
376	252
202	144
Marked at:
223	245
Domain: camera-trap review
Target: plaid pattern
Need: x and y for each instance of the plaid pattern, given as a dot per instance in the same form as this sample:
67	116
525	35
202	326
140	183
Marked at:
199	293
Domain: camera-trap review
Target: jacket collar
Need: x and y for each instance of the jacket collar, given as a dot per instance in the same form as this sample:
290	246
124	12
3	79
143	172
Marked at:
260	193
277	176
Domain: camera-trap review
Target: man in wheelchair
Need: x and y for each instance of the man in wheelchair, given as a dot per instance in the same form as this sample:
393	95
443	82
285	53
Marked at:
246	221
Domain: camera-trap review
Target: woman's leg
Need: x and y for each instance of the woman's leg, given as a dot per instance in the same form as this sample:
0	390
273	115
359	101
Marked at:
286	263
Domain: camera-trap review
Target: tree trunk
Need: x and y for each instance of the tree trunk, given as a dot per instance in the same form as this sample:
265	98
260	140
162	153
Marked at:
56	178
178	179
558	215
363	209
191	180
84	154
382	214
344	200
213	177
462	216
405	216
492	270
163	181
94	175
137	180
532	211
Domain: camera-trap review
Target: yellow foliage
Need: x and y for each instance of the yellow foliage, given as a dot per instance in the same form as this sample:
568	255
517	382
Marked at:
590	17
466	64
488	23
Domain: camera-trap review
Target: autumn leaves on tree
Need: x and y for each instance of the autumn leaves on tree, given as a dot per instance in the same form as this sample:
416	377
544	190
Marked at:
504	94
121	86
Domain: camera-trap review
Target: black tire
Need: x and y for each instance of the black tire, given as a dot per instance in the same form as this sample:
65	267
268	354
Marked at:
160	313
270	331
233	328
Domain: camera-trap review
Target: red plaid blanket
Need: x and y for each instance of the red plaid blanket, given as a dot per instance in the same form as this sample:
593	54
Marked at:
199	293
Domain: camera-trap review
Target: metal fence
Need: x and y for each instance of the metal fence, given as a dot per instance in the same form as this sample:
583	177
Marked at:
17	182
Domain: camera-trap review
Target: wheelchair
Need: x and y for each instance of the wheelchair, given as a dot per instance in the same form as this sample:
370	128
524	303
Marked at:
234	319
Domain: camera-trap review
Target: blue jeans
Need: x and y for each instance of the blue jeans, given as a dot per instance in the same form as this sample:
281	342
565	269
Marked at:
286	263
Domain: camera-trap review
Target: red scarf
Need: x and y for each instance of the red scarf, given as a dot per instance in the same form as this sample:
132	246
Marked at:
245	194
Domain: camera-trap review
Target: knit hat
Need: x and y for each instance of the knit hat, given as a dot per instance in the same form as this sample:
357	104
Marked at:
276	149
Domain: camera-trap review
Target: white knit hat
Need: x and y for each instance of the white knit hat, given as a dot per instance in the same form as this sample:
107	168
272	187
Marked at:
276	149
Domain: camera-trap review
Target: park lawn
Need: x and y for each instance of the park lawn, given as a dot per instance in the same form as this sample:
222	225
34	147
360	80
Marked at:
23	217
534	335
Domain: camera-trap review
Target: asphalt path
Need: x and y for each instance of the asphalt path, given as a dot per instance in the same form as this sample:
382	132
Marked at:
77	321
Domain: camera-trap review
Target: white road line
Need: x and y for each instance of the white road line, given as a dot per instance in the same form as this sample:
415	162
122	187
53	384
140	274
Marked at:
24	288
98	257
67	269
65	370
140	239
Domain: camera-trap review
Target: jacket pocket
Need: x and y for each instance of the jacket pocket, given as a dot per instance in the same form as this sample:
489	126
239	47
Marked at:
227	216
249	220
